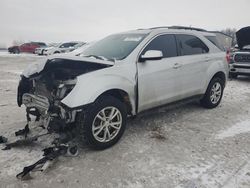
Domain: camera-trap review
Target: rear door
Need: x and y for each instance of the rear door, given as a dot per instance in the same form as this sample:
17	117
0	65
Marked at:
194	60
158	80
23	47
29	47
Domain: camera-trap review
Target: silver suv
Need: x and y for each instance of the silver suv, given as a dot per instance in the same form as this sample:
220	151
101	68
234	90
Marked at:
123	75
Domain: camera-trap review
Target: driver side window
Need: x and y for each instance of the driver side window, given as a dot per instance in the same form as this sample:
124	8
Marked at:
164	43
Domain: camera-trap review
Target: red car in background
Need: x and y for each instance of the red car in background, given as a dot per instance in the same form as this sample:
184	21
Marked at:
26	47
31	46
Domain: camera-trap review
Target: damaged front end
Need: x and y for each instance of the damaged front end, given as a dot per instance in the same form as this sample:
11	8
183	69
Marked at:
41	91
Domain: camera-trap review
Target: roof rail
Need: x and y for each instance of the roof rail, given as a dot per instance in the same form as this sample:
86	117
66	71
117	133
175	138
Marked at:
160	27
179	27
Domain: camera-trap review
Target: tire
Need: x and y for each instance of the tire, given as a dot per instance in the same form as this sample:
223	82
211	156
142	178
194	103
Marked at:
42	52
56	52
16	51
233	75
211	99
88	121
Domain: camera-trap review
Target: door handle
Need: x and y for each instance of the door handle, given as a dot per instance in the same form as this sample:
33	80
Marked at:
207	59
177	65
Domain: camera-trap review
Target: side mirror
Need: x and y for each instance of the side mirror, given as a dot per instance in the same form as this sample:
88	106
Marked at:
151	55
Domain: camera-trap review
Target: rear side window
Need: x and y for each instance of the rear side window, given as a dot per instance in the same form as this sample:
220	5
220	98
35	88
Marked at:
67	45
72	44
41	44
164	43
191	45
214	40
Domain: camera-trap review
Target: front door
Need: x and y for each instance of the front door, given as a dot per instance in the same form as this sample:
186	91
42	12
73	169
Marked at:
158	80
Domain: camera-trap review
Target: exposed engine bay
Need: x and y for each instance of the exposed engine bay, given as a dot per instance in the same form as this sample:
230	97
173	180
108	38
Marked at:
42	92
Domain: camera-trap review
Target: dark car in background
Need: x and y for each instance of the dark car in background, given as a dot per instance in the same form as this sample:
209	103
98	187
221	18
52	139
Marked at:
240	64
14	50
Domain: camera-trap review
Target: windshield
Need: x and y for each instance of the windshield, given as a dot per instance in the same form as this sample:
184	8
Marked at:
80	44
115	47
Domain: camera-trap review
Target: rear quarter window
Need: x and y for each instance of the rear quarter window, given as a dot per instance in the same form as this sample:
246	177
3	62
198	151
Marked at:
214	40
191	45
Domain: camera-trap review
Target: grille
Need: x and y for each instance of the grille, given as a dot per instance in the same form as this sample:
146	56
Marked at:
242	58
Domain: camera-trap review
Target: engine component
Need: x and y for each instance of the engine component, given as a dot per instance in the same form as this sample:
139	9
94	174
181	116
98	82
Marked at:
36	101
24	131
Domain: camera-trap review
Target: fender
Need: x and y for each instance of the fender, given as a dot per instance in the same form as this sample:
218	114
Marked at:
89	87
217	66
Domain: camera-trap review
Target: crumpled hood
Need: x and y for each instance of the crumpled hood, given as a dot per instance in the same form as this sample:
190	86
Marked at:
243	37
66	61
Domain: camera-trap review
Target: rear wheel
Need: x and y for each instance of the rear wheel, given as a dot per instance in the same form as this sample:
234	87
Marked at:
214	93
103	123
16	51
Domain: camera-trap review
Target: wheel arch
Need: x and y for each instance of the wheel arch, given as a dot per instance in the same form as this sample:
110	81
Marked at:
85	93
121	95
220	75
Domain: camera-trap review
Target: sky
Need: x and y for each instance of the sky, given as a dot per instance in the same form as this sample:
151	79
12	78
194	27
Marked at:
82	20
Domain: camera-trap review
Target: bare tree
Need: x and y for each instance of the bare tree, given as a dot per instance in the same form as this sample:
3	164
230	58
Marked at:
231	32
17	42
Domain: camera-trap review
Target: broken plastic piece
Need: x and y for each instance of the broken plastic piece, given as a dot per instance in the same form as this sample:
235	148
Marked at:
3	139
6	148
24	131
50	154
26	141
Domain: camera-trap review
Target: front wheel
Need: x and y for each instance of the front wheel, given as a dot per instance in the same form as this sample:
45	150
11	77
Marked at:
104	122
16	51
214	93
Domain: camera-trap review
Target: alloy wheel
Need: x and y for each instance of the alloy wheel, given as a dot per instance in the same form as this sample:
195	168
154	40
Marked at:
107	124
215	93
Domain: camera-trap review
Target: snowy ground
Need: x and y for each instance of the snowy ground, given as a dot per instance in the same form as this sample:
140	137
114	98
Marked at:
182	147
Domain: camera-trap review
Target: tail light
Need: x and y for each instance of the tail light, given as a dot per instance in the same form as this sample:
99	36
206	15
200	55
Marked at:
228	56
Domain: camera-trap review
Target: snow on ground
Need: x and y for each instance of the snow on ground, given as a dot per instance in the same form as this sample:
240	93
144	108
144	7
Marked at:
184	146
239	128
